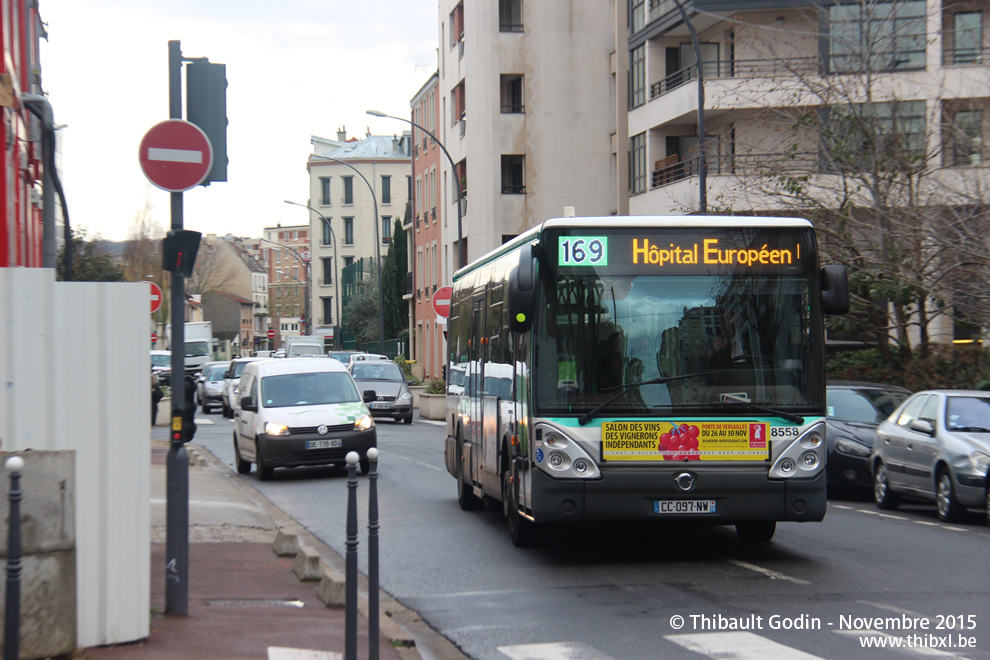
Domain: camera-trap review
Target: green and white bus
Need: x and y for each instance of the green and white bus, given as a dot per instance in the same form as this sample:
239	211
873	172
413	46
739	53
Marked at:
643	368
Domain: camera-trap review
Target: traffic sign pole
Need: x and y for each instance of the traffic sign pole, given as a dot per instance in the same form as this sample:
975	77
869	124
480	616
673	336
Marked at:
177	461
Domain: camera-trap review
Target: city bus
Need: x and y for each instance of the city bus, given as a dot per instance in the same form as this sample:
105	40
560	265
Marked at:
643	368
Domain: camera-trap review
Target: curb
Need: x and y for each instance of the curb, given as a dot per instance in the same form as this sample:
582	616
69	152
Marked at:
404	628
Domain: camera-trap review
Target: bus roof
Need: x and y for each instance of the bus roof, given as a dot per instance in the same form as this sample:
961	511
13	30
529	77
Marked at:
632	221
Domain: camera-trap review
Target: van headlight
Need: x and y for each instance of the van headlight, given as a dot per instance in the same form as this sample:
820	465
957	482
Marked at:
273	428
364	423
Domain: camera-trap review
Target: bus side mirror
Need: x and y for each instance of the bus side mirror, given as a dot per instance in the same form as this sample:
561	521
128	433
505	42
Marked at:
523	291
835	290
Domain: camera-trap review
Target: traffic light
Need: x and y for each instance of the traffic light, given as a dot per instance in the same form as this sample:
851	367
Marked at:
179	250
206	106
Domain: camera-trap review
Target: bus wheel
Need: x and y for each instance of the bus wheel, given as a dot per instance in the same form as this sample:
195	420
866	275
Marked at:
521	531
756	532
466	499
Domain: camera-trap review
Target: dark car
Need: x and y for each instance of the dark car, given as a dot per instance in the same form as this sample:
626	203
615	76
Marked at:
392	396
853	412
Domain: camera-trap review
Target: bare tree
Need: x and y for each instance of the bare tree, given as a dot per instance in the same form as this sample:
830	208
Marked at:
868	143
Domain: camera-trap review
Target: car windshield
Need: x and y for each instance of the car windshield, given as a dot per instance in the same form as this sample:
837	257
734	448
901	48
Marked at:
377	371
308	389
866	405
238	368
197	348
968	413
216	372
161	360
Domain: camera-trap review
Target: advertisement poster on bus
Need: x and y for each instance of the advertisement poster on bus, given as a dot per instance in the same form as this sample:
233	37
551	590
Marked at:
689	440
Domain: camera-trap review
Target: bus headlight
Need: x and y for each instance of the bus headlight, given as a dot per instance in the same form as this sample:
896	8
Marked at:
559	455
802	457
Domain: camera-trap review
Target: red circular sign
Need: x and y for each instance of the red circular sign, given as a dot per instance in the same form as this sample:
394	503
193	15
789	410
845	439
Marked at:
156	296
441	301
271	333
154	337
175	155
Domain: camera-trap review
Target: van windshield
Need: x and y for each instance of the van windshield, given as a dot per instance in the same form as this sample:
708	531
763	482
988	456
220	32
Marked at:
309	389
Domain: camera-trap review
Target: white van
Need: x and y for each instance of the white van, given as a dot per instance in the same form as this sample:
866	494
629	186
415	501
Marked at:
292	413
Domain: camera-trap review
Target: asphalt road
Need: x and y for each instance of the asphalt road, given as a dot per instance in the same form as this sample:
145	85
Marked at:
819	590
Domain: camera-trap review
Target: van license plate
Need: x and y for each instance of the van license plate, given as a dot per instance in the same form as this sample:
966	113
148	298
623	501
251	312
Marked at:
323	444
666	507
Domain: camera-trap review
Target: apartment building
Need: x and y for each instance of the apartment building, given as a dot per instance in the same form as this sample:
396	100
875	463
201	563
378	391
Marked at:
528	98
425	235
807	107
357	189
285	250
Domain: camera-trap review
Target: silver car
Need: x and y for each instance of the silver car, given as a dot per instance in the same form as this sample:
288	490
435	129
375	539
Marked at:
935	446
209	385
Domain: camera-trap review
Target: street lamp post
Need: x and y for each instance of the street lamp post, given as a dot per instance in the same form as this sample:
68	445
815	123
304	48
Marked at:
309	322
453	173
378	250
336	264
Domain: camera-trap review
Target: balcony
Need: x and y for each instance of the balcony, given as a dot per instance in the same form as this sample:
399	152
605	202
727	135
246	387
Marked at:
746	69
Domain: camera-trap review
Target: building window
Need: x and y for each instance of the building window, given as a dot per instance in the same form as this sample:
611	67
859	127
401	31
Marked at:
325	190
510	16
513	175
861	136
967	37
348	189
637	164
386	189
637	76
877	36
327	235
967	138
386	229
511	93
327	270
348	231
637	15
327	303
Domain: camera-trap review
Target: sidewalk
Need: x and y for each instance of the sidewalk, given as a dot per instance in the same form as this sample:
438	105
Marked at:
246	601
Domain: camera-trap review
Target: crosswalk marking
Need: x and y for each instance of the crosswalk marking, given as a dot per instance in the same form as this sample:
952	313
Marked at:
738	646
285	653
553	651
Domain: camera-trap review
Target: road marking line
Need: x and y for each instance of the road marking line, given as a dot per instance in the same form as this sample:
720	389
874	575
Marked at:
882	514
738	646
553	651
427	465
284	653
893	608
773	575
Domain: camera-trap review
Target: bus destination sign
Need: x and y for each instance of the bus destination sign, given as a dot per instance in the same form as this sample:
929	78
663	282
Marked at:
684	253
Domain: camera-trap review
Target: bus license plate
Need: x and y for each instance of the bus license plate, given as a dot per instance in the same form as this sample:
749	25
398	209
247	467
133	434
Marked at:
323	444
664	507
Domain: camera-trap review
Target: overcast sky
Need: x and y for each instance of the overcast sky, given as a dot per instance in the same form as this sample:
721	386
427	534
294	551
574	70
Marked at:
295	68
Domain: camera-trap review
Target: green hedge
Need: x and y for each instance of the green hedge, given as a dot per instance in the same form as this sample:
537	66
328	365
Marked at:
946	367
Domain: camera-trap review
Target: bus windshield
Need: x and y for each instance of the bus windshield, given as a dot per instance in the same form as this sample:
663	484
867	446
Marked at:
724	336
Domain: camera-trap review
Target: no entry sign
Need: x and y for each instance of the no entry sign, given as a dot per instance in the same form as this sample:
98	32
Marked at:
175	155
156	296
271	333
441	301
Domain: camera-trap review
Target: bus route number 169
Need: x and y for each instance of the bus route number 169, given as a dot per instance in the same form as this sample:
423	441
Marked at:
583	251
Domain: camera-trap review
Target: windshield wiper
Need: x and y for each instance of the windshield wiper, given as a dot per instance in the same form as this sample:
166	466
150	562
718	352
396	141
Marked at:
660	380
790	417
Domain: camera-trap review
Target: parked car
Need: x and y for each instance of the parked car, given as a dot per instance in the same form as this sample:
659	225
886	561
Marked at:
292	413
935	447
161	365
386	382
371	357
209	386
231	378
344	357
853	411
280	353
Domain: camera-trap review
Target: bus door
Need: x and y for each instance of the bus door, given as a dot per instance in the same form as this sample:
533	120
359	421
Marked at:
473	388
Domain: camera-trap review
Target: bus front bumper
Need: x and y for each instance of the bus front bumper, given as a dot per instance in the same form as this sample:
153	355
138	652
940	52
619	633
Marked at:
631	494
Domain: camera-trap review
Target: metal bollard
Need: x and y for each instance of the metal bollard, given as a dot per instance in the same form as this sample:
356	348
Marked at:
12	603
351	569
373	554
